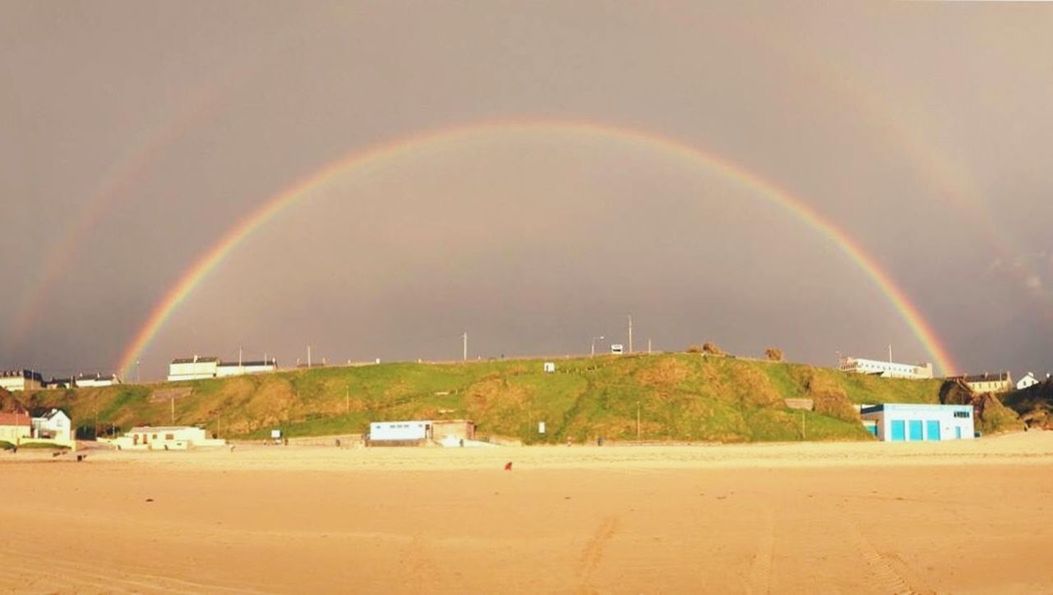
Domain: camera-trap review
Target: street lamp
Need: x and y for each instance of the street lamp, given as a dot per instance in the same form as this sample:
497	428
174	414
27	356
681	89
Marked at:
594	345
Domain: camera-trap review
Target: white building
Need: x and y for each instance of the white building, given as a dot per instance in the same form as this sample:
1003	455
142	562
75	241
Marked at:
15	427
398	433
54	426
886	369
165	438
988	383
225	369
193	368
21	380
902	422
1027	381
95	380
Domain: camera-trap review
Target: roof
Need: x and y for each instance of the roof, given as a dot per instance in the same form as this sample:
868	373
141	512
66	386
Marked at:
883	406
145	429
195	360
257	363
14	419
96	377
28	374
53	413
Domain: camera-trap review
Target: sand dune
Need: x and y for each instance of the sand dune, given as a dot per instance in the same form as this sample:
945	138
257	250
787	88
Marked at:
881	518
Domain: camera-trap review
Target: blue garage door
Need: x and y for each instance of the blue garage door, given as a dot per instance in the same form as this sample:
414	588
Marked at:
932	429
898	430
916	430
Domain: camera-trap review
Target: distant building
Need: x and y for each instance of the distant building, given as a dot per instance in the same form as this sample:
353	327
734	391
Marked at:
95	380
15	427
54	426
1027	381
448	432
901	422
56	383
1001	382
194	368
885	369
21	380
165	438
240	368
398	433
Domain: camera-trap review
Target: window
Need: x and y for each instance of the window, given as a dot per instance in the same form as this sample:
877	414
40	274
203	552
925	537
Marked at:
964	414
169	436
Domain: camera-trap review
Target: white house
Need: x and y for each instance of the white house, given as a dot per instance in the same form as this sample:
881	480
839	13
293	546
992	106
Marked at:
1027	381
193	368
239	368
96	380
165	438
885	369
54	426
21	380
1001	382
903	422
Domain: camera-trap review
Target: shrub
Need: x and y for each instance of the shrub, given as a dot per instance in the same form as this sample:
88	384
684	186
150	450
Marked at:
773	354
710	348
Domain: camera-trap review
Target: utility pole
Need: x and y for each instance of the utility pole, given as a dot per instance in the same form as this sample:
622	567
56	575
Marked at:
308	356
593	352
630	333
239	357
464	355
648	346
890	353
137	380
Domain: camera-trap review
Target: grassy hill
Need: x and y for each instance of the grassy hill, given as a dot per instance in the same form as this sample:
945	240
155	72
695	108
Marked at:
677	397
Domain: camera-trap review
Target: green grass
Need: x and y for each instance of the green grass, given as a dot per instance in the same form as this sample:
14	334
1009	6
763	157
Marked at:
676	396
44	445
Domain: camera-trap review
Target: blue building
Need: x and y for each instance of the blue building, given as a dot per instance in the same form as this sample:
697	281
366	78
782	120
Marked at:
903	422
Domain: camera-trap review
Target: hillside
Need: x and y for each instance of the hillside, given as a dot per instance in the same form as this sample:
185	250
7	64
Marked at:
1034	405
677	397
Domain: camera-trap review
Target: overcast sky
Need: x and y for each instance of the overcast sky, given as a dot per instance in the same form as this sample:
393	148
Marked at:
133	135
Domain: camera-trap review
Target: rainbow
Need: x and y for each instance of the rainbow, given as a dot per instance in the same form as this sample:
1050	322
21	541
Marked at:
371	156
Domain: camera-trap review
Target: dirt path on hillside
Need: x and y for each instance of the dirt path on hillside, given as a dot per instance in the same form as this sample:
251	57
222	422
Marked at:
757	519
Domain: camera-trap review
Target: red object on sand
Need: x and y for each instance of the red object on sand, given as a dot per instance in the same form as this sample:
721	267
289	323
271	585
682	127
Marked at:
508	466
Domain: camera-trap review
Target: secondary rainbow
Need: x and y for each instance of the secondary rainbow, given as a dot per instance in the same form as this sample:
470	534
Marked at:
374	155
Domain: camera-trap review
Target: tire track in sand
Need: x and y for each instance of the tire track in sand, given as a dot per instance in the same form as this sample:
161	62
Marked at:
892	574
592	553
760	569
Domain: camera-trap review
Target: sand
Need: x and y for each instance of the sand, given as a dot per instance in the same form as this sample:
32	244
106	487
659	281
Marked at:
968	517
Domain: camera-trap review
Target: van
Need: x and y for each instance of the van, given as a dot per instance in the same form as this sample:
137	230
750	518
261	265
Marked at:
617	348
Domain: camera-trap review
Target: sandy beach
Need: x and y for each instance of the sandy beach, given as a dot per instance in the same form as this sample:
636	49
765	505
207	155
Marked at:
951	517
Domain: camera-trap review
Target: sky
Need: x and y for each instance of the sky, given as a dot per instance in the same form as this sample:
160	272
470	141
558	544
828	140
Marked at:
137	135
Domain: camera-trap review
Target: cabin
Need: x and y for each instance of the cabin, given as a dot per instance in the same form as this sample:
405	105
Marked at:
910	422
165	438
